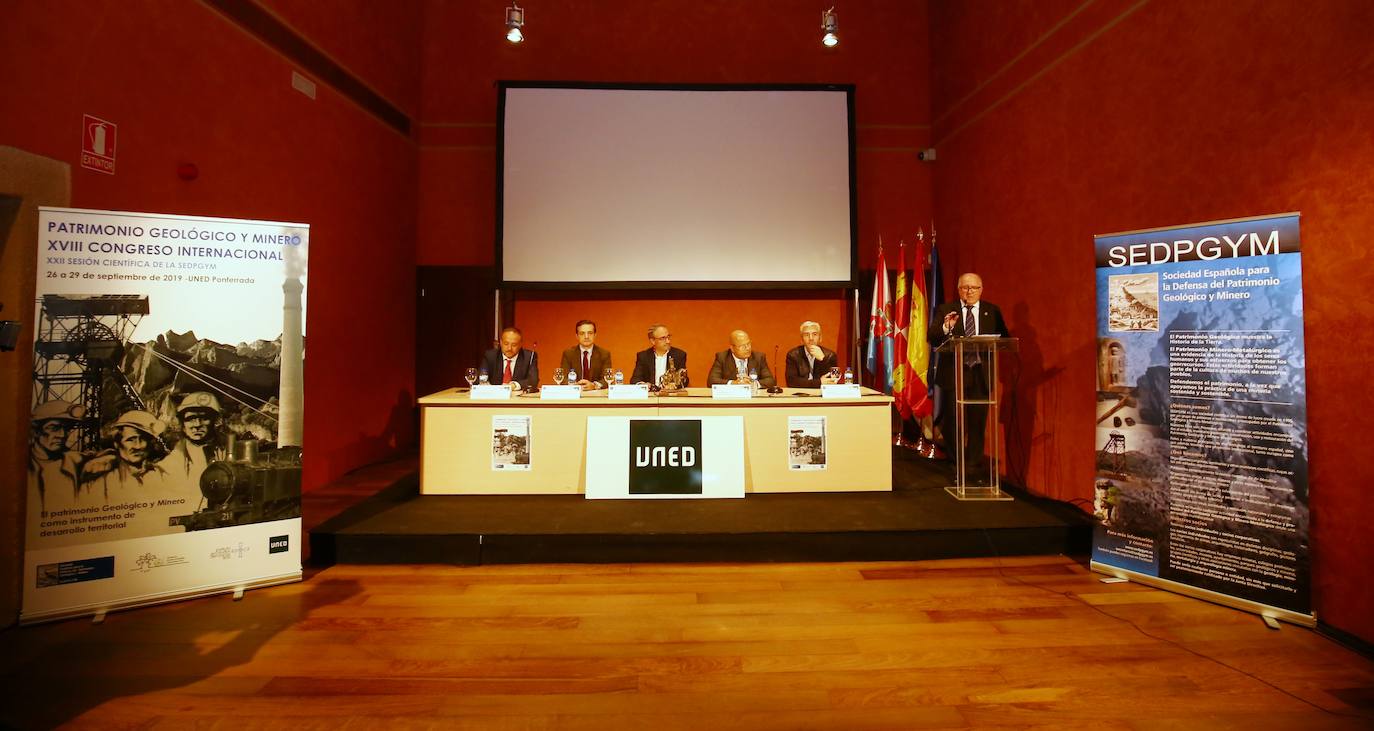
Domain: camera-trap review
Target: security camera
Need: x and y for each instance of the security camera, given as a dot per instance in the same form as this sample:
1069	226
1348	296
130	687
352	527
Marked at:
926	155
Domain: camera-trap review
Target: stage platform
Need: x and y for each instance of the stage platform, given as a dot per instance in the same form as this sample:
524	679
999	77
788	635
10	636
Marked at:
917	520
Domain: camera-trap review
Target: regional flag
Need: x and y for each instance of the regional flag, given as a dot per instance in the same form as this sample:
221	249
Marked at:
880	328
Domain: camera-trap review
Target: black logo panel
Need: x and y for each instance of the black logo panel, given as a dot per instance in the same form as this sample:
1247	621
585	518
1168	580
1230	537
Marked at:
665	457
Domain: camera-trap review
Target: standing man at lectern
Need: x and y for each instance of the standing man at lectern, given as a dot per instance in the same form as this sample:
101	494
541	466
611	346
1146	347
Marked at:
968	317
809	364
510	363
740	358
651	362
587	359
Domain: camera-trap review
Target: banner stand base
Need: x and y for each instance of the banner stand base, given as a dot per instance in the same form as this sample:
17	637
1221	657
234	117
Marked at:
98	613
969	494
1266	612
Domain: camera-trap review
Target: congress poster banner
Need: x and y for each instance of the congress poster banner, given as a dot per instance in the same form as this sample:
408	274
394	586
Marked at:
165	436
1201	438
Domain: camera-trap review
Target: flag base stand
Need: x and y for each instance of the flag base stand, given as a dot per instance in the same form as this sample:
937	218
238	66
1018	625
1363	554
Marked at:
922	446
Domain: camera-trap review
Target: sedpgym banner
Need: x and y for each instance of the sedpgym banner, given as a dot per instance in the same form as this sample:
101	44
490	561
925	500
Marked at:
165	441
1201	445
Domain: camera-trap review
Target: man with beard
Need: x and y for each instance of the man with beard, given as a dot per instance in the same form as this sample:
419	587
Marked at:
653	361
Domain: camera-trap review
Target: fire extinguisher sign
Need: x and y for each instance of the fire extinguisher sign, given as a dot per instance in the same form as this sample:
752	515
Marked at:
97	144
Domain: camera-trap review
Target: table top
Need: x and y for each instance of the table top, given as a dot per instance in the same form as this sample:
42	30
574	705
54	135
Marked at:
459	396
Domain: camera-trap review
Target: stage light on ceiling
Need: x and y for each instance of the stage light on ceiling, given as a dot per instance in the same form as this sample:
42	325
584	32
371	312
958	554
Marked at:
515	20
831	25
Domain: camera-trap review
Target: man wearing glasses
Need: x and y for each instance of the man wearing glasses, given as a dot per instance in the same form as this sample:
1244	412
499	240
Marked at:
968	317
653	361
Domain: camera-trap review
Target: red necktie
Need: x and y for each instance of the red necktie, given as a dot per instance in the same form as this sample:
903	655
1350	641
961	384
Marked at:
587	366
507	378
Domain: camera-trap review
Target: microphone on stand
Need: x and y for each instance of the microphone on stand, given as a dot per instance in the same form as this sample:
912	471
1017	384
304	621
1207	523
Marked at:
775	388
534	349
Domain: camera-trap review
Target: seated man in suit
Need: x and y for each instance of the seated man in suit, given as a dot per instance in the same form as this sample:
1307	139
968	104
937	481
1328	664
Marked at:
587	359
740	358
651	362
967	317
808	364
510	363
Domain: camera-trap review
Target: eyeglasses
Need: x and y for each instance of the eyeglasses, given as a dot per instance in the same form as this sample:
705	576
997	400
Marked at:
665	337
969	288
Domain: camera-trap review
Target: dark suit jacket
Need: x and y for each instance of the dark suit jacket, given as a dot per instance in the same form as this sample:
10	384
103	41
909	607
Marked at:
723	370
526	369
799	371
601	360
644	364
990	322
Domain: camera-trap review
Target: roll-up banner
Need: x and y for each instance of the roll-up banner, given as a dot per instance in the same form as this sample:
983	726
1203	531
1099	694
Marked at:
165	438
1201	482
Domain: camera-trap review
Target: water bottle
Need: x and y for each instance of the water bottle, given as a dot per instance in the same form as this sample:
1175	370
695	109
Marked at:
848	374
572	376
619	377
753	381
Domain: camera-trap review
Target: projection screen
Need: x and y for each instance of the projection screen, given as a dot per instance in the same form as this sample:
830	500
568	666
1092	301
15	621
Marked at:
675	187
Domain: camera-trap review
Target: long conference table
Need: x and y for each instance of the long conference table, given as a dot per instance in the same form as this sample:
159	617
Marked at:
456	450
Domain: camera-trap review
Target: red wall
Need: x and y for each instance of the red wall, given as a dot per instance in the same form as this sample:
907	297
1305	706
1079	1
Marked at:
1117	116
377	42
882	52
185	84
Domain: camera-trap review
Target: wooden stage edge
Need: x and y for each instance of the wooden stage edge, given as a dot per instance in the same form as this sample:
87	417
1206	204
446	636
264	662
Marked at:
916	520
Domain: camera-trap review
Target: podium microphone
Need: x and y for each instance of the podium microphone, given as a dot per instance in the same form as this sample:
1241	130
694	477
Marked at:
775	388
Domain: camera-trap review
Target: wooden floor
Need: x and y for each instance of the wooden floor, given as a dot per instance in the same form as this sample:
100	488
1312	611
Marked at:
1017	643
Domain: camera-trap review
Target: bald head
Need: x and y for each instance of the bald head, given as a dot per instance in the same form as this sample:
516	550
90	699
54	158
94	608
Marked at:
740	344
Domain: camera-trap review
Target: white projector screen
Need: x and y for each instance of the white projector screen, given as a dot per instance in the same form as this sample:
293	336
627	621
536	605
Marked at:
688	187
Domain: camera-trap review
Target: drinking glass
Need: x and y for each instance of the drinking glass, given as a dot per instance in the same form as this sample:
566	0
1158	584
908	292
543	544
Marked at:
608	375
835	374
558	376
470	376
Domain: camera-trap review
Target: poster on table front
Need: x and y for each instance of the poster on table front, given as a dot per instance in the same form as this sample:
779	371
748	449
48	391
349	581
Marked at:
510	443
165	434
806	443
1201	438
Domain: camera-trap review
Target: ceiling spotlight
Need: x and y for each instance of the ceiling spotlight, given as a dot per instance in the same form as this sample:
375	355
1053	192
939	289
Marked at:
831	25
515	20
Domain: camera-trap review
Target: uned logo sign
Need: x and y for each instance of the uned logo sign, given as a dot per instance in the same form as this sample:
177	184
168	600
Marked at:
665	457
278	544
